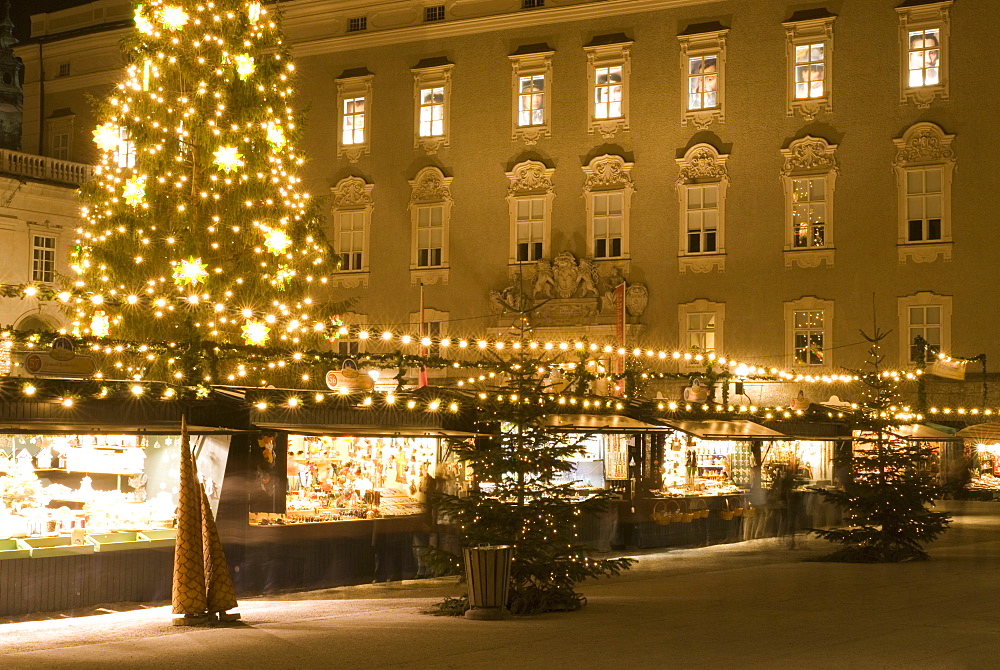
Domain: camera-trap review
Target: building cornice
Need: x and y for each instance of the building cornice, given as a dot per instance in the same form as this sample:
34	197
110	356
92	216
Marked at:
298	14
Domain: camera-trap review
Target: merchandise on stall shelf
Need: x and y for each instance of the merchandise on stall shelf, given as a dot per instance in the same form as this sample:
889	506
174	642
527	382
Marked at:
58	484
704	467
343	478
810	460
602	457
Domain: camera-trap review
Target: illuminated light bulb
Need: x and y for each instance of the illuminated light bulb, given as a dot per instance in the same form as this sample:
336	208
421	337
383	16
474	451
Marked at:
390	399
97	299
433	405
132	299
29	390
261	405
137	390
30	291
255	333
67	402
293	402
169	393
246	313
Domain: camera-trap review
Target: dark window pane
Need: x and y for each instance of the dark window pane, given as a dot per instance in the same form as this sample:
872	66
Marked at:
694	243
709	241
934	229
916	230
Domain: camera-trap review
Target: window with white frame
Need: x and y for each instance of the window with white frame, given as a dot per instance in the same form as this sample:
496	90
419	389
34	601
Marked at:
43	259
608	190
432	90
925	315
532	83
809	176
60	146
431	324
808	326
125	151
59	130
354	101
357	24
529	197
701	188
703	66
810	66
701	325
348	342
352	215
924	36
924	165
430	214
433	13
608	67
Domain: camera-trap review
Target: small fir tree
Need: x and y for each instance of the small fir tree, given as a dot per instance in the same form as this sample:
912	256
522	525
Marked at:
522	498
885	499
196	226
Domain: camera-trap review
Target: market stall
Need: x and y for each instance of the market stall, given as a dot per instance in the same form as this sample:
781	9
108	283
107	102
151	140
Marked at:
977	466
88	500
347	495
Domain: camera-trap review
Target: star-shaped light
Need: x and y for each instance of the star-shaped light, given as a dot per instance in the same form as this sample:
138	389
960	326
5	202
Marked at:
254	12
106	136
100	324
277	241
191	271
142	24
255	332
173	17
282	277
228	159
276	136
135	190
245	66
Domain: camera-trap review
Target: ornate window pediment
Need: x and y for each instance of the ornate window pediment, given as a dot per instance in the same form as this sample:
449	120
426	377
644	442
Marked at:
609	67
529	199
924	165
430	221
703	73
531	117
608	190
809	175
702	182
354	100
352	216
432	107
924	37
809	45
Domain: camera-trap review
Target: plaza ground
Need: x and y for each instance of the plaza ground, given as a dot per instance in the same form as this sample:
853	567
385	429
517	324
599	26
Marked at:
750	605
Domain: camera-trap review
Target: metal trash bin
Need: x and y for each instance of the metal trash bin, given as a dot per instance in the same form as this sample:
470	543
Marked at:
487	570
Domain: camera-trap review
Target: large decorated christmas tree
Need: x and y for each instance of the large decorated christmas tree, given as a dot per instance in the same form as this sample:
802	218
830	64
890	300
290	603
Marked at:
196	227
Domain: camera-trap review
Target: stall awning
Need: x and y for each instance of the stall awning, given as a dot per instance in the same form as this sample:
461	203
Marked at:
987	432
45	428
598	423
364	431
921	433
725	430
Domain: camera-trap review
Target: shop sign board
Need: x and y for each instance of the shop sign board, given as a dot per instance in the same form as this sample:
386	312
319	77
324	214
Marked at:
60	361
349	379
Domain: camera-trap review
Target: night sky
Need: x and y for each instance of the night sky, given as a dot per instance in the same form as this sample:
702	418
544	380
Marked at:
21	11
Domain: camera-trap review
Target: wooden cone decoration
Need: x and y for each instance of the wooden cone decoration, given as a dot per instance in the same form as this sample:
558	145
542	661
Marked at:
221	595
189	594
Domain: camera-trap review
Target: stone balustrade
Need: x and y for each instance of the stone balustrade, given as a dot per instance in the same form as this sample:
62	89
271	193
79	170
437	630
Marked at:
33	166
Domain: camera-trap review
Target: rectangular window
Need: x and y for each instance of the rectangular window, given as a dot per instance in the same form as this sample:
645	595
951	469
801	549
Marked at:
432	112
701	331
125	153
925	322
808	337
357	24
608	92
43	258
354	121
703	82
532	4
435	13
60	146
810	71
351	240
433	330
531	101
530	228
702	209
63	69
808	212
430	231
607	225
349	344
923	204
924	57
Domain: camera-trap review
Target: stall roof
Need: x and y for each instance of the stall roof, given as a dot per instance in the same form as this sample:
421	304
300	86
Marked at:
918	431
726	430
46	428
365	431
598	423
981	431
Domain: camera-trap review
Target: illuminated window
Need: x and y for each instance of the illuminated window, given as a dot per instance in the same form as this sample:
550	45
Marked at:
352	215
608	191
703	82
609	66
703	62
432	112
125	151
701	332
924	165
925	322
529	198
354	94
532	78
808	212
808	326
809	176
43	258
810	65
810	71
700	327
430	215
923	37
432	90
353	130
